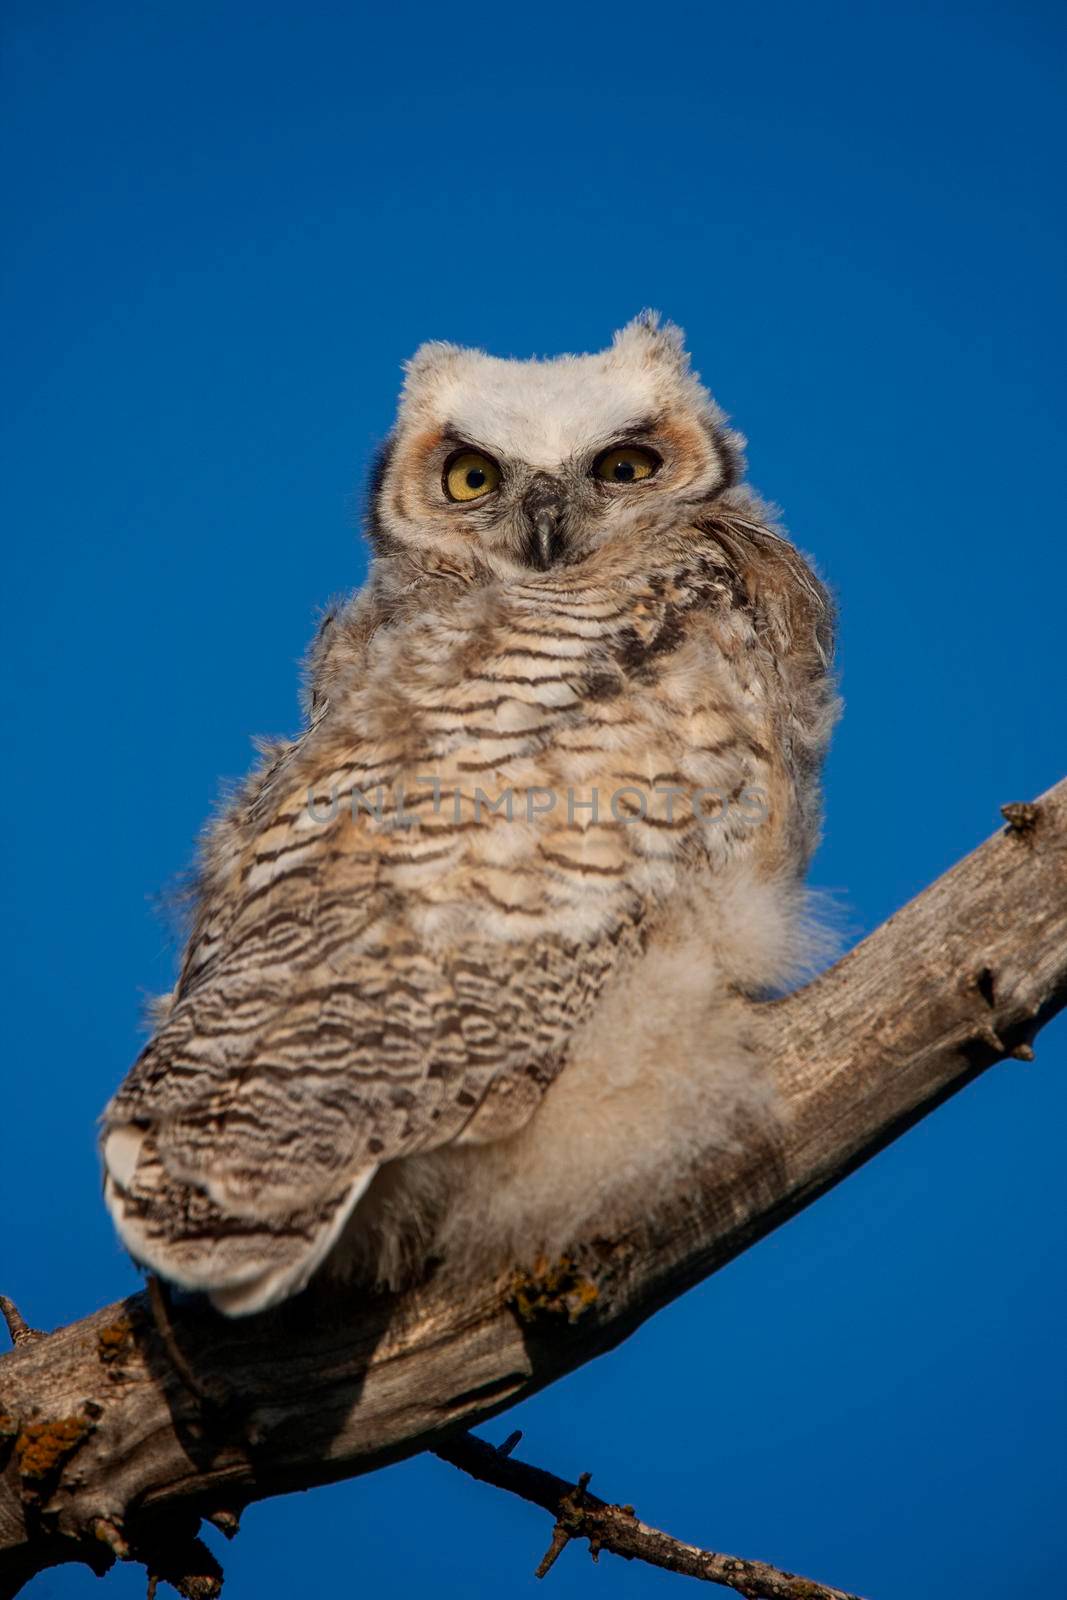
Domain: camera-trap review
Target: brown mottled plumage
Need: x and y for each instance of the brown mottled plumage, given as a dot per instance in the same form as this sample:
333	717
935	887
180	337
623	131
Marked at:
554	802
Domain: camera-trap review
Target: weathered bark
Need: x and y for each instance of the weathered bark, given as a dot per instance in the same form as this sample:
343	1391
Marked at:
108	1451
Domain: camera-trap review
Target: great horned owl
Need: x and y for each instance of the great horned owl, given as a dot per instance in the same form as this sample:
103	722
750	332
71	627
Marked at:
459	980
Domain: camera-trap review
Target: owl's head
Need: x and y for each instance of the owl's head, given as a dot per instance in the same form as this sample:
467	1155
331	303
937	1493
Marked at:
530	464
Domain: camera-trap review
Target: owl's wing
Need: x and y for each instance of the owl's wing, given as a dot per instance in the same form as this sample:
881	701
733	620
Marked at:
369	975
340	1007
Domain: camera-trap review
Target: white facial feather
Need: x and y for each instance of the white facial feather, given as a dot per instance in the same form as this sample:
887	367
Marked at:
549	417
545	412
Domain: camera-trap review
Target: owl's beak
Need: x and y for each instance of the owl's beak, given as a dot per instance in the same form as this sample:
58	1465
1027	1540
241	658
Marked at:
543	506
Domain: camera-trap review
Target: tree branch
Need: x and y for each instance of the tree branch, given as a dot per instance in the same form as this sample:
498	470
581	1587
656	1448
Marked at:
580	1515
17	1326
108	1452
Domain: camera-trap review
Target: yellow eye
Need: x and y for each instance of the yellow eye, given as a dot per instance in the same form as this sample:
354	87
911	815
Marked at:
470	475
625	465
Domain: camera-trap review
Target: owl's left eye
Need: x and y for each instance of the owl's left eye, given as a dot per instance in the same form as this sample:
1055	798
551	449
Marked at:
625	464
470	475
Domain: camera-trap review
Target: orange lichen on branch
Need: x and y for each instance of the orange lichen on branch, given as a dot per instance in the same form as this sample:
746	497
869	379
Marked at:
553	1289
43	1448
115	1343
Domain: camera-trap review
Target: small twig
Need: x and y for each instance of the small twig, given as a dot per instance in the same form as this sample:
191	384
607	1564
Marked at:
227	1522
187	1566
569	1524
1022	816
106	1531
17	1326
560	1538
580	1514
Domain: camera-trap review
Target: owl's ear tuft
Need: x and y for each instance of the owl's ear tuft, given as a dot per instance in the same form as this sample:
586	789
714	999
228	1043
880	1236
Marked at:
432	360
650	339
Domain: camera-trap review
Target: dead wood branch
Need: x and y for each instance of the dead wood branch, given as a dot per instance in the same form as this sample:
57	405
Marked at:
580	1515
108	1451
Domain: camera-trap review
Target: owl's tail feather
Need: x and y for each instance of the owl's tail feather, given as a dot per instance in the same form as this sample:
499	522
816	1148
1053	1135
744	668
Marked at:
244	1263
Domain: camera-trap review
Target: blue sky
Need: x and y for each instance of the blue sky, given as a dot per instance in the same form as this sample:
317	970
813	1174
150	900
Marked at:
228	225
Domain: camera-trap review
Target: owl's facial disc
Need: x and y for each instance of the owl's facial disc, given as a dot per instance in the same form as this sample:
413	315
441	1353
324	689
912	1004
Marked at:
520	465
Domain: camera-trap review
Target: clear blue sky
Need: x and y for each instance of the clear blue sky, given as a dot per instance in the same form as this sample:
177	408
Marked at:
228	225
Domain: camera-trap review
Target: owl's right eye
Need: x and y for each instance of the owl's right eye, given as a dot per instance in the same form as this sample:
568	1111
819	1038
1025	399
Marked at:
470	475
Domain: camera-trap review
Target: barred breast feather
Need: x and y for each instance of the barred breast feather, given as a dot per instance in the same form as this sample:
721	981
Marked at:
407	912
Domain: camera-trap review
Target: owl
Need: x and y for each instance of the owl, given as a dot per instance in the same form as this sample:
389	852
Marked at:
462	975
